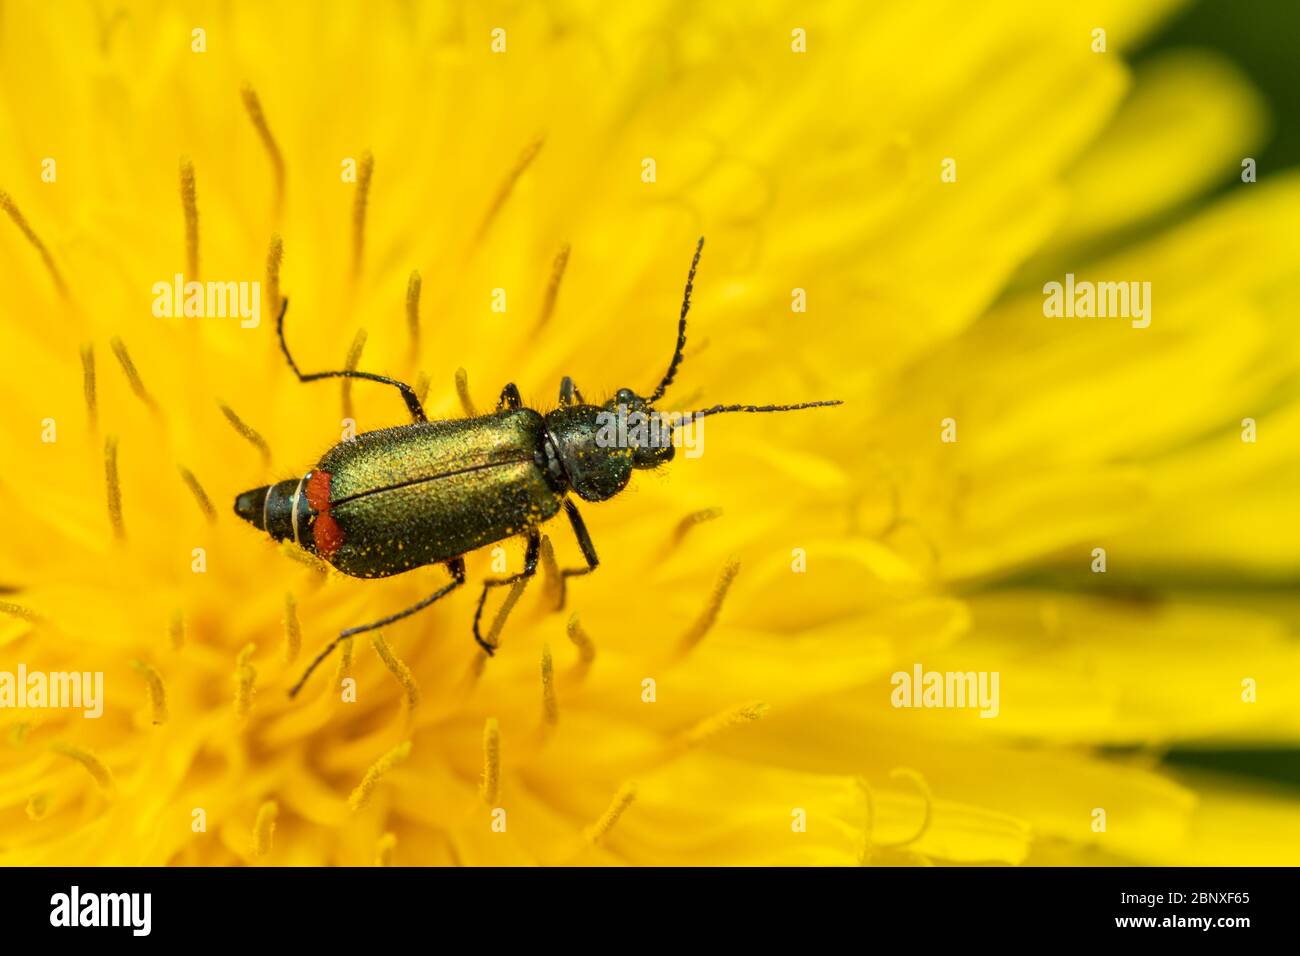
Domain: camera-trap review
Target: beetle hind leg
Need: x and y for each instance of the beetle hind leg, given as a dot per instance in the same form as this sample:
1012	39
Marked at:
531	553
456	567
408	394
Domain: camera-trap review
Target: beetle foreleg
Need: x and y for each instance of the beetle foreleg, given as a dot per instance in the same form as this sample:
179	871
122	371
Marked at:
584	542
510	397
456	567
531	553
569	394
408	394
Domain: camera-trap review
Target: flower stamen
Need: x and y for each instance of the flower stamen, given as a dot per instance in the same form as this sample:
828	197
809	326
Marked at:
94	766
350	363
462	391
292	629
552	580
729	718
8	205
114	488
176	629
37	805
550	705
20	612
585	645
622	800
507	186
274	259
245	676
132	373
684	526
499	622
365	171
249	434
553	286
361	795
264	827
190	204
490	787
88	386
345	660
696	632
869	842
254	107
201	496
413	311
400	671
157	691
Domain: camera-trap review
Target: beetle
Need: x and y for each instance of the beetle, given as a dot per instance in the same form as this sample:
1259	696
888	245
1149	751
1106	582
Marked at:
387	501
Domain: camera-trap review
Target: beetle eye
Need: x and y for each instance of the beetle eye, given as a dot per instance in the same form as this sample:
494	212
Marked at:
625	396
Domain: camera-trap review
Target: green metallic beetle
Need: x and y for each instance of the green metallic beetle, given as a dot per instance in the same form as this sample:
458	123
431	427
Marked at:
425	493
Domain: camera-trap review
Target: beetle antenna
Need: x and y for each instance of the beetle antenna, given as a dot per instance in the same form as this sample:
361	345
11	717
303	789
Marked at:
720	409
681	329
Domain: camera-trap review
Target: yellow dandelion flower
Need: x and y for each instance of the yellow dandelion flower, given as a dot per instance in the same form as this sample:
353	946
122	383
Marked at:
463	196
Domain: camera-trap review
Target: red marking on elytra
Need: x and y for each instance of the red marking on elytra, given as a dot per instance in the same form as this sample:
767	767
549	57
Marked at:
325	531
327	535
318	491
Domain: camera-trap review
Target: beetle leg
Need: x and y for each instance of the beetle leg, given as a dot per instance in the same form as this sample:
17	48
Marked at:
584	542
408	394
569	394
510	397
456	567
531	552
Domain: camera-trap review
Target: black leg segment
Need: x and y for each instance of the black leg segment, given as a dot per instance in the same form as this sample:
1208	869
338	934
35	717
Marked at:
531	553
510	397
569	394
408	394
456	567
584	542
